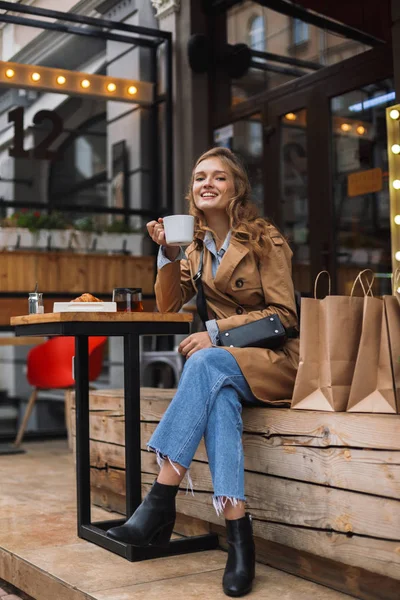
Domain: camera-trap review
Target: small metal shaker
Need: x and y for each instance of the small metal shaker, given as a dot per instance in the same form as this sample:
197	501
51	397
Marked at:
35	301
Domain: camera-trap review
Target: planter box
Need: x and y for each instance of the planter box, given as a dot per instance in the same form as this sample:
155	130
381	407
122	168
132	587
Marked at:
9	237
60	238
84	241
63	239
116	242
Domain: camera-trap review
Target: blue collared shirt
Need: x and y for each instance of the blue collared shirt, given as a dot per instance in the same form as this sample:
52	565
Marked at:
216	257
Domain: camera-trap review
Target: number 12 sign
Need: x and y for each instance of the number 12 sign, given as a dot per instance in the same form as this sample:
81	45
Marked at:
41	150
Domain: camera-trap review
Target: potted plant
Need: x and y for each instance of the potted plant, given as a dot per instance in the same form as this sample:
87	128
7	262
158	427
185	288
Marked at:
22	229
56	228
34	229
87	234
119	236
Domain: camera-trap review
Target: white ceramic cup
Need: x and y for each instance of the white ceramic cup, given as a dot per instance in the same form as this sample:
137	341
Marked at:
179	229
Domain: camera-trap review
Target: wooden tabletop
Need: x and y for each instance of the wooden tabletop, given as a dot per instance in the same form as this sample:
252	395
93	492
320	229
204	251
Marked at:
22	341
102	317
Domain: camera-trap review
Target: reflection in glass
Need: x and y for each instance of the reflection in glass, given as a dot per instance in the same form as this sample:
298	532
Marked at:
245	137
294	195
300	32
264	29
257	33
81	176
361	188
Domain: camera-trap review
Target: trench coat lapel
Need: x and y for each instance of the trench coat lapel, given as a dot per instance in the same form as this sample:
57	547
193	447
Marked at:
232	257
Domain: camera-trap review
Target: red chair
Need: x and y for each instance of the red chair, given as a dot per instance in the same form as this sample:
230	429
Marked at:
50	367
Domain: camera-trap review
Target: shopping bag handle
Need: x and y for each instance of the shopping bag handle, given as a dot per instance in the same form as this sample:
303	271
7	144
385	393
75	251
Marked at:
316	283
396	281
369	291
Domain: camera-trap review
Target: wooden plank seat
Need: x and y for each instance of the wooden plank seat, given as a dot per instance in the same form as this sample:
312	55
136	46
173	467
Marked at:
323	488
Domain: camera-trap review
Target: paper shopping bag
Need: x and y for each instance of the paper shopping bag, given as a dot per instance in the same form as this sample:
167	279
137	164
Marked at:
330	332
372	388
392	314
396	284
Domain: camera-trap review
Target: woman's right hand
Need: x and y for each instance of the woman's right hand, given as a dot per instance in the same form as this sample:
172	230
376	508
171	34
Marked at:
157	234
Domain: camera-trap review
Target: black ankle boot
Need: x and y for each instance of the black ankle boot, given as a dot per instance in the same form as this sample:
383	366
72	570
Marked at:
152	522
240	567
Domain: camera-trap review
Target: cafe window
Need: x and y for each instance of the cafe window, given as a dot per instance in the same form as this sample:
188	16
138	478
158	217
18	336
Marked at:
80	177
257	33
361	183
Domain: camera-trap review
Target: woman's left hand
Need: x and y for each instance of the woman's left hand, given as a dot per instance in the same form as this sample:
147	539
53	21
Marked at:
196	341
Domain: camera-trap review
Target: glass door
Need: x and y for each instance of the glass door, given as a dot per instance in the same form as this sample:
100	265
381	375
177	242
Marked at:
361	184
287	180
326	171
245	138
294	194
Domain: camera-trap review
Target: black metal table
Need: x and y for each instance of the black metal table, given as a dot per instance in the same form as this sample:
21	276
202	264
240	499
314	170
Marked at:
130	326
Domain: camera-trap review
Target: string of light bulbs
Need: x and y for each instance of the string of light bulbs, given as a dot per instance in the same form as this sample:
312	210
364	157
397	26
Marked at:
62	81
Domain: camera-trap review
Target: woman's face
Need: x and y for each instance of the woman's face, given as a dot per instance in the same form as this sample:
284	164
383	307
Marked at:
213	185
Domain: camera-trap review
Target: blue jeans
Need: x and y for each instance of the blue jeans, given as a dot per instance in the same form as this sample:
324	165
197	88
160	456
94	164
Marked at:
208	402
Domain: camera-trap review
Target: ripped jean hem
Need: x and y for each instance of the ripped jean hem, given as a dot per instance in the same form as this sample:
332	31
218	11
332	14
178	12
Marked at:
160	461
220	502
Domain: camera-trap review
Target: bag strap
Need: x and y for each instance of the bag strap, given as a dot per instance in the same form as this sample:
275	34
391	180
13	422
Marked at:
292	332
201	303
367	291
316	282
396	281
200	298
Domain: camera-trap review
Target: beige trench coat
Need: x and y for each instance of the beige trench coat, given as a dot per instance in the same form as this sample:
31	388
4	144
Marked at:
245	289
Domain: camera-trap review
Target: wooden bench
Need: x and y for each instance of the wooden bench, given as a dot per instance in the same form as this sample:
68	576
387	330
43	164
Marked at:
323	488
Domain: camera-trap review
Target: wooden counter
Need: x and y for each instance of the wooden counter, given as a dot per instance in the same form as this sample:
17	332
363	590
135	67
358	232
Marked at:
74	273
62	276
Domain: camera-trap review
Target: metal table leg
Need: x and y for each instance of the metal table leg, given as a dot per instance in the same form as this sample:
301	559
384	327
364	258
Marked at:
81	369
96	532
132	423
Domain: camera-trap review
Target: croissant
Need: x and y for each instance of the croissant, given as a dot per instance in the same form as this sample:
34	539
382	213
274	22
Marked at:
86	298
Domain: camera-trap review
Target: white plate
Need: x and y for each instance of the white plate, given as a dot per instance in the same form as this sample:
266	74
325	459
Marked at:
84	307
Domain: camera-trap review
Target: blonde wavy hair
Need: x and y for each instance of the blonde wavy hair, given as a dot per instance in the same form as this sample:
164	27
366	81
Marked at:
245	223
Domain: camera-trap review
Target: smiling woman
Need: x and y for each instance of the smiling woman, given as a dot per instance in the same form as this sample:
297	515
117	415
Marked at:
245	271
213	188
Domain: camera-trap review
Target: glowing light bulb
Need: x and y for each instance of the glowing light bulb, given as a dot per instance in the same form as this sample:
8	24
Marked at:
291	116
35	76
397	255
394	114
85	83
111	87
61	80
10	73
397	219
361	130
396	148
132	90
345	127
396	184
